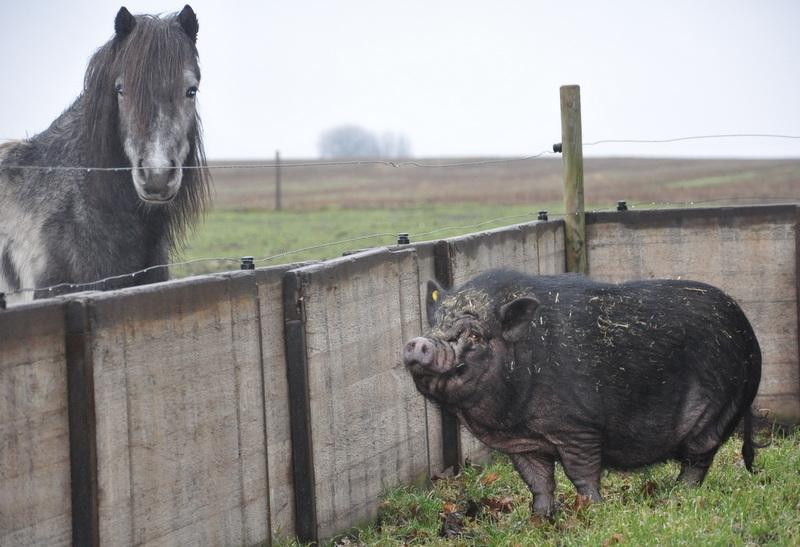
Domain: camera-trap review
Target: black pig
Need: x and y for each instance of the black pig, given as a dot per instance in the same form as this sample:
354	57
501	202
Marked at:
591	374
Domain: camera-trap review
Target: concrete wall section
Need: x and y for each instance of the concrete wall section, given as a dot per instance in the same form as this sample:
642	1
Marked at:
35	506
750	253
367	421
179	406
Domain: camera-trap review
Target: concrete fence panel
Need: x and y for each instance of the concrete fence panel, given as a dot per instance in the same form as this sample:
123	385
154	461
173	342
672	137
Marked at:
179	409
361	429
35	506
749	252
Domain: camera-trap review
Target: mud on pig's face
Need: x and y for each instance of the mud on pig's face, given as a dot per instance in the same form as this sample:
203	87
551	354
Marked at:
469	343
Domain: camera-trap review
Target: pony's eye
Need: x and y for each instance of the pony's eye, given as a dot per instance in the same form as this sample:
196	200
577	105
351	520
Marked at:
191	92
118	89
475	337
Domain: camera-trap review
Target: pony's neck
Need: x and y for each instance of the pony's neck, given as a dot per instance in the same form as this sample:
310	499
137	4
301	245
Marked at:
67	141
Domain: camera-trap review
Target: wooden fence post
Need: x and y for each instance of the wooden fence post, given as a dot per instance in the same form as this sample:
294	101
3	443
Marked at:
572	153
451	435
82	425
277	180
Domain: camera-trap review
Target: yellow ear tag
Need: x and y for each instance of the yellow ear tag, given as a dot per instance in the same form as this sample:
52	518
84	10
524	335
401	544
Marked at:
435	296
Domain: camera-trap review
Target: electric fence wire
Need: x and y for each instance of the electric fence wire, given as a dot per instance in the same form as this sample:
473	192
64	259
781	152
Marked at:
397	163
416	238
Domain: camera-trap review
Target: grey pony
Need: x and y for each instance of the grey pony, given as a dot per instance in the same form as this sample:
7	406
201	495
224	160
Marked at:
137	111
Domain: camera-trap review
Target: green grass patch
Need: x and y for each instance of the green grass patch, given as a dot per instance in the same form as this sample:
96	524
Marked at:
232	234
490	506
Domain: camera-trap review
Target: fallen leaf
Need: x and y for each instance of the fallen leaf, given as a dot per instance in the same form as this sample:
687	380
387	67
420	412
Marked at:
580	502
614	539
449	507
489	478
649	488
569	523
503	504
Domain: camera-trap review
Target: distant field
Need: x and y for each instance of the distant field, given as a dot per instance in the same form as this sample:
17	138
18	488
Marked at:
530	181
325	204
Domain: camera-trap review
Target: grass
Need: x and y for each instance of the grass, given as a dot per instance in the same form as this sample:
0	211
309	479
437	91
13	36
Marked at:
490	506
266	233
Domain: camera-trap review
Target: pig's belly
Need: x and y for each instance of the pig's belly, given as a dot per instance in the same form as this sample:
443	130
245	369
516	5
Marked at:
515	442
632	456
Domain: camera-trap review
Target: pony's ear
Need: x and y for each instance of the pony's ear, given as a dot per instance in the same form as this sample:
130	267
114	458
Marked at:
432	300
124	22
188	21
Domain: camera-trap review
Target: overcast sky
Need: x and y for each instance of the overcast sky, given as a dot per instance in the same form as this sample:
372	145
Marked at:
457	77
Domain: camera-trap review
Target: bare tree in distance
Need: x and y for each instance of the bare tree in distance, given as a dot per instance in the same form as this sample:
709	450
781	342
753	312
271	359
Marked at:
355	142
395	145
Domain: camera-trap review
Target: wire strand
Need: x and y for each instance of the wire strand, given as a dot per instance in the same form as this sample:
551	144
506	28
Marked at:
693	137
289	164
401	163
416	236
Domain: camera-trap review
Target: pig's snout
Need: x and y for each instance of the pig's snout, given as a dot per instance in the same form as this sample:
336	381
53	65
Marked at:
420	351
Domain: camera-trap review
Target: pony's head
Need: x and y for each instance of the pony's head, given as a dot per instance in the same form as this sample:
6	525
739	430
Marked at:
140	90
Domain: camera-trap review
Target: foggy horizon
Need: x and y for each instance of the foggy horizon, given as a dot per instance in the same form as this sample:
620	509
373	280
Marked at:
457	79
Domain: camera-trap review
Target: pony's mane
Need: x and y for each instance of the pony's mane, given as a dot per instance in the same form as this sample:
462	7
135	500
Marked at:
151	56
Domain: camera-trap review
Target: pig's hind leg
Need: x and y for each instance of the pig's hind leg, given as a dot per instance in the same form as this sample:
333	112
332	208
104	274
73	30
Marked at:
537	471
694	469
697	454
708	432
583	466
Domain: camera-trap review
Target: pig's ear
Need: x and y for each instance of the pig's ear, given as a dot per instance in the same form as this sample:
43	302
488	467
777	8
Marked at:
516	317
435	293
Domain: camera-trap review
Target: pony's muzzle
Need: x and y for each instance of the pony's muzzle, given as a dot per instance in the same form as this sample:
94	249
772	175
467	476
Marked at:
157	182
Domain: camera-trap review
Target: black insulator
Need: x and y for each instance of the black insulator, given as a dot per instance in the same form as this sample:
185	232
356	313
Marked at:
248	263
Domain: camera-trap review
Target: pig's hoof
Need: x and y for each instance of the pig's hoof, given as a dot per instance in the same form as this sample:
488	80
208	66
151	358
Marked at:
544	509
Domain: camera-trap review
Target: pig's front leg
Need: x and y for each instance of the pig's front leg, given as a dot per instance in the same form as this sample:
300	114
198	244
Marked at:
537	472
582	465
